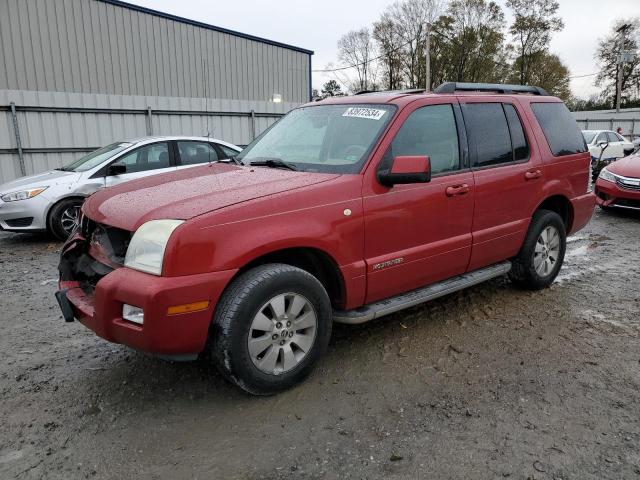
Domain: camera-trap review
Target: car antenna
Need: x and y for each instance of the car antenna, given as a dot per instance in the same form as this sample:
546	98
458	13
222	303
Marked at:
205	80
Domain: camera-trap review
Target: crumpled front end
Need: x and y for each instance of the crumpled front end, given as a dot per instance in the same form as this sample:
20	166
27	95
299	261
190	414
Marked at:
95	287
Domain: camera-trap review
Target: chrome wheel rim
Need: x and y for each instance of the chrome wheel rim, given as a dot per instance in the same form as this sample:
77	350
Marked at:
69	218
547	251
282	333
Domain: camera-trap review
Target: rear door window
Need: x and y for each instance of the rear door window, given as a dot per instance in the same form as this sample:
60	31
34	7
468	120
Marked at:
613	137
560	128
488	133
193	152
150	157
518	138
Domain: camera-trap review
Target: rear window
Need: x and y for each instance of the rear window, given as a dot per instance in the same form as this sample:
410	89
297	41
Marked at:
560	128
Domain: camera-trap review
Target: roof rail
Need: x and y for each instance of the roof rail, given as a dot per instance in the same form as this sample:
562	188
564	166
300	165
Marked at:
452	87
383	92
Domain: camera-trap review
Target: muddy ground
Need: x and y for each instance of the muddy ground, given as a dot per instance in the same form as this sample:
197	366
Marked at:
491	382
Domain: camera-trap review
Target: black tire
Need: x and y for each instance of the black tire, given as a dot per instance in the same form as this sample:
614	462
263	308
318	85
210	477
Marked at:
523	272
58	221
604	209
241	302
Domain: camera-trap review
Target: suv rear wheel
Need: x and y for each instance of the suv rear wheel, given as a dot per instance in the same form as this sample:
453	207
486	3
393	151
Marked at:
542	253
271	326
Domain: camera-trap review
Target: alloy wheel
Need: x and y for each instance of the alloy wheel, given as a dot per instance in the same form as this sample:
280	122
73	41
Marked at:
282	333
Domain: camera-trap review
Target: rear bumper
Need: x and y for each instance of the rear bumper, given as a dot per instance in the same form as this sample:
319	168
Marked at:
163	334
582	211
608	194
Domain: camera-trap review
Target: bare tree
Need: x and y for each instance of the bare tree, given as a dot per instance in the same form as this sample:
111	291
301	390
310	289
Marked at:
388	36
357	49
413	16
534	21
608	57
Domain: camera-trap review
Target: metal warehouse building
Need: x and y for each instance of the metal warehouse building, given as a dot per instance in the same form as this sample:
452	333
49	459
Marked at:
79	74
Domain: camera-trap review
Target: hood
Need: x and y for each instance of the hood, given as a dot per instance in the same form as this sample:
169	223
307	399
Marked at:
187	193
46	179
627	166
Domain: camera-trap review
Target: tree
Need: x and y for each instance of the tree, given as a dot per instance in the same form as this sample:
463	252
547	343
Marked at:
331	89
387	34
608	56
356	49
534	21
548	71
412	17
468	43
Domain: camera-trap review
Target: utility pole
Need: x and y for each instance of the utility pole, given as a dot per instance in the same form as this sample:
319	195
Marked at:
427	54
620	64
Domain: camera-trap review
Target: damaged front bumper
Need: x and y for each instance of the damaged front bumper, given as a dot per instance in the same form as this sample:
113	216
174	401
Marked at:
95	293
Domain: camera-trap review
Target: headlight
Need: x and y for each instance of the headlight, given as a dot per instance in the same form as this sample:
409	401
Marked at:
23	194
607	175
146	249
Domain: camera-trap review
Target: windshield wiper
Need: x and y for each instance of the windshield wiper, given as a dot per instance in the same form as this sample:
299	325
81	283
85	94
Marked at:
273	163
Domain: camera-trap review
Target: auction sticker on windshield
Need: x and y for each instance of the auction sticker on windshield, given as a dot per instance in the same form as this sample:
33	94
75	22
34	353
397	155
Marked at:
361	112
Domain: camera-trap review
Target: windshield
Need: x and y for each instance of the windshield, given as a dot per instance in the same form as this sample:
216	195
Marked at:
323	138
96	157
588	135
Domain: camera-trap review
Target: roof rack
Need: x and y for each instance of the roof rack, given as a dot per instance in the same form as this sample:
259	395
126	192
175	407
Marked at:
452	87
385	92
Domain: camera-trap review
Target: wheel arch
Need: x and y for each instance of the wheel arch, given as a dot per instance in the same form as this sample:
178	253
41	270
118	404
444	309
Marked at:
313	260
561	205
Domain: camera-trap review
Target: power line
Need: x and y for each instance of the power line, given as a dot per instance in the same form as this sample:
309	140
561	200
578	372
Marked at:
582	76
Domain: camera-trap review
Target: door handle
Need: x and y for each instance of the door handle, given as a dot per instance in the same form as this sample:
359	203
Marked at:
454	190
532	174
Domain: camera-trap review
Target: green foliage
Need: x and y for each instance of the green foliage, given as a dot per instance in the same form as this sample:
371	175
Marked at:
331	89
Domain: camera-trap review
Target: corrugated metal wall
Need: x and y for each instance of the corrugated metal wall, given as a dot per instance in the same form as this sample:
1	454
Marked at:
85	73
91	46
628	119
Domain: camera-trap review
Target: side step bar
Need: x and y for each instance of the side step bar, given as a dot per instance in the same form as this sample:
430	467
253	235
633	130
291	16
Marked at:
421	295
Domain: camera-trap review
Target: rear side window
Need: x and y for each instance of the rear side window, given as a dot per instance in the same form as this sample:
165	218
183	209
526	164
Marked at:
430	131
488	130
560	128
518	139
228	152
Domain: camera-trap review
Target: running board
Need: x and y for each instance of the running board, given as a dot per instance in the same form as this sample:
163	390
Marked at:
416	297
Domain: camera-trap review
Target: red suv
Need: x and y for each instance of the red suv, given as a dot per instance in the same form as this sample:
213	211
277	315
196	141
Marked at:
345	210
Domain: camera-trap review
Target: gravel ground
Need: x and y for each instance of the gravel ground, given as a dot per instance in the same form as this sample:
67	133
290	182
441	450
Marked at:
491	382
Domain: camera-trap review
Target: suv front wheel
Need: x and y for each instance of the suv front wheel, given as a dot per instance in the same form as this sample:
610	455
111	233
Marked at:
270	327
542	253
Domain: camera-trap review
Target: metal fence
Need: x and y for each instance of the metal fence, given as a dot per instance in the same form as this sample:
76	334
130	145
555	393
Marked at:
38	134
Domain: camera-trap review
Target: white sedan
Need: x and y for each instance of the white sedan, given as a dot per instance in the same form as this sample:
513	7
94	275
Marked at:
51	201
618	146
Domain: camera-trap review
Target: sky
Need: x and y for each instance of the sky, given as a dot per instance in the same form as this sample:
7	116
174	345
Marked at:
302	23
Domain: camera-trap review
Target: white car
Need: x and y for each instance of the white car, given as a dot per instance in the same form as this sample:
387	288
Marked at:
51	201
618	146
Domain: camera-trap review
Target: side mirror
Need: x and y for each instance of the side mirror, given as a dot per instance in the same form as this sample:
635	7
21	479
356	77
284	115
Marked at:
116	169
603	145
409	169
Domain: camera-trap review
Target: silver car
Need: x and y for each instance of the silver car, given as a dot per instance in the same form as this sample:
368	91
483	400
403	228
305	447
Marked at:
51	201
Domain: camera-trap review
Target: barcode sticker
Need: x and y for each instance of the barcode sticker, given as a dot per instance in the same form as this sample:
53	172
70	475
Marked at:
361	112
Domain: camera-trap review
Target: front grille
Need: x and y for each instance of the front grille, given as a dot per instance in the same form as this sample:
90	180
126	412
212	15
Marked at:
620	183
110	242
20	222
101	250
